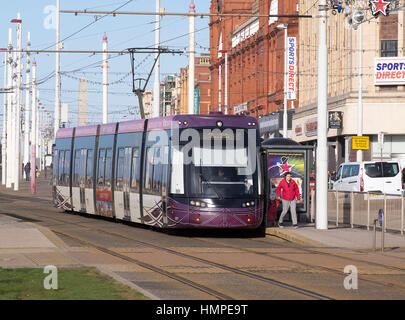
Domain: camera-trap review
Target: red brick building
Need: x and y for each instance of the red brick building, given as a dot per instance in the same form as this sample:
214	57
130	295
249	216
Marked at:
255	49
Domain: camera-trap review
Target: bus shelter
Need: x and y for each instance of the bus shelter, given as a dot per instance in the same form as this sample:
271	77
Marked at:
279	156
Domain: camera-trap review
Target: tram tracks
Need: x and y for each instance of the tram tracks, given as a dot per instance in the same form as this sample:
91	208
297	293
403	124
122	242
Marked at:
148	266
204	261
321	268
216	294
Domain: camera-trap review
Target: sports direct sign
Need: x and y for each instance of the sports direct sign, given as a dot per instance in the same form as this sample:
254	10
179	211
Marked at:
292	68
389	71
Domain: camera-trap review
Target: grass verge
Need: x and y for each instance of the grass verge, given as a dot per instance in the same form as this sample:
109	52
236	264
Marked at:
73	284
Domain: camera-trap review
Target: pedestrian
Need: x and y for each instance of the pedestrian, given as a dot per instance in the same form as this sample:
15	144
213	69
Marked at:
289	193
27	170
311	183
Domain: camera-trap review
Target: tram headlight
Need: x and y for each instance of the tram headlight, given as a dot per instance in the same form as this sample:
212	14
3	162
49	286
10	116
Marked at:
248	204
198	204
219	124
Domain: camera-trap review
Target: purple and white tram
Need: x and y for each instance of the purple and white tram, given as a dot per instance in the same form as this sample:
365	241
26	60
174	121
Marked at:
182	171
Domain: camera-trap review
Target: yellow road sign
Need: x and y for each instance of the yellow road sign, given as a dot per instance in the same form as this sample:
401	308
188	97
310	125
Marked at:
361	143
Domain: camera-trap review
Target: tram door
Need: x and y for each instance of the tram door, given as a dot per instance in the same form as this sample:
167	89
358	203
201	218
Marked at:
82	179
126	183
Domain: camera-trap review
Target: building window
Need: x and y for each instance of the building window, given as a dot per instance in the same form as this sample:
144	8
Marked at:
389	48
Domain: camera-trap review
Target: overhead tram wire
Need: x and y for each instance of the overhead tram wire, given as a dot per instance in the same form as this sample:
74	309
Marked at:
76	12
91	23
71	35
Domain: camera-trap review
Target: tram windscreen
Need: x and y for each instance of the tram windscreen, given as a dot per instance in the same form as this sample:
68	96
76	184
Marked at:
220	173
222	164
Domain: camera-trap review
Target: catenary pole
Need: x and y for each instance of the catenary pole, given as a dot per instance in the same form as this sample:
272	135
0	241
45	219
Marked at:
322	148
17	141
57	71
105	79
156	84
4	133
226	84
191	62
9	109
220	87
37	142
33	126
27	103
13	119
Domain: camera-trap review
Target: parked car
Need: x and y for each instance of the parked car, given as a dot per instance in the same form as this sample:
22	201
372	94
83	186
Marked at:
370	176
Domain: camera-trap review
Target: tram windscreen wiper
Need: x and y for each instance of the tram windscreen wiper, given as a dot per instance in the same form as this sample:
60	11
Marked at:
211	185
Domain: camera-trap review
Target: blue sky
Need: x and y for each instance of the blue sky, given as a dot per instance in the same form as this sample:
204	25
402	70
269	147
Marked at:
123	31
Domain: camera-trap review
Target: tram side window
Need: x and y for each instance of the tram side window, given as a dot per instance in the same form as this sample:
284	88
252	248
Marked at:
67	168
89	169
165	165
108	168
135	174
76	168
153	170
149	168
157	170
100	170
60	171
120	169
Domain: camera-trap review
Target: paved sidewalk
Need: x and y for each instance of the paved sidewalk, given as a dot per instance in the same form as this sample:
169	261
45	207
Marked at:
27	245
336	237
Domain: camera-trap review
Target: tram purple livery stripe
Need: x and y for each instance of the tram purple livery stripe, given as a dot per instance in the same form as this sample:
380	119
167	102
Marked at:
86	131
108	129
160	123
131	126
210	120
64	133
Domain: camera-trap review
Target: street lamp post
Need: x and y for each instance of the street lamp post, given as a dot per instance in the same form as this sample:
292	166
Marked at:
360	101
280	27
191	70
226	80
322	147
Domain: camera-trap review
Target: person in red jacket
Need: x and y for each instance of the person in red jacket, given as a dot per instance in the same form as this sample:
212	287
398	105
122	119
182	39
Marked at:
289	193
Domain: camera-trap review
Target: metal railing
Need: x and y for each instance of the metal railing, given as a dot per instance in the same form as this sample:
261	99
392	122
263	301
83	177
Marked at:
360	209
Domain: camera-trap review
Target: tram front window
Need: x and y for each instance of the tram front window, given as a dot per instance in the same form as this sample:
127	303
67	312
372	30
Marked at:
221	174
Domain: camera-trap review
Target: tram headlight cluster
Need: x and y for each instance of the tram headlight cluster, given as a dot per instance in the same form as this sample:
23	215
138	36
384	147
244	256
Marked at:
197	203
248	204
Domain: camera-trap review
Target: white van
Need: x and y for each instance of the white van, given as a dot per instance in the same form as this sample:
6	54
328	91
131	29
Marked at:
369	176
